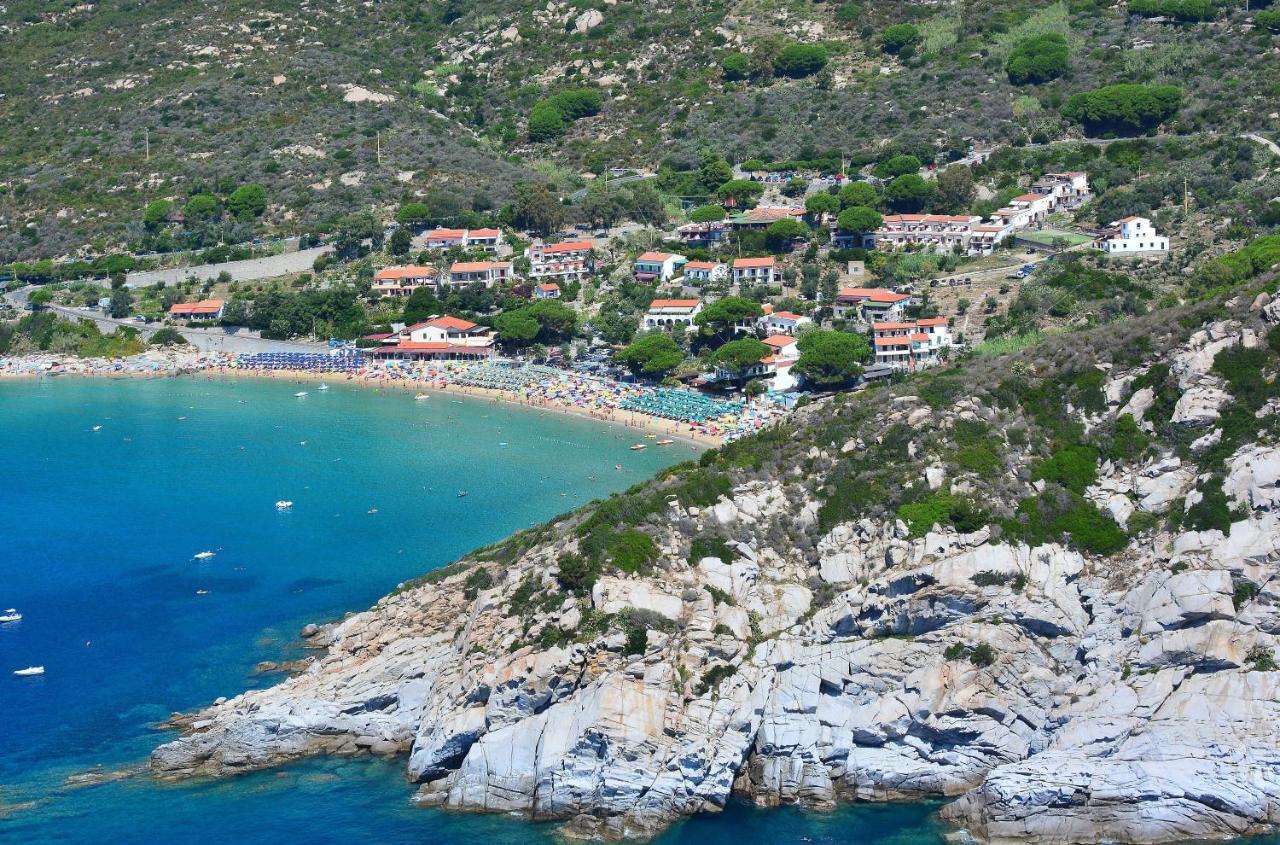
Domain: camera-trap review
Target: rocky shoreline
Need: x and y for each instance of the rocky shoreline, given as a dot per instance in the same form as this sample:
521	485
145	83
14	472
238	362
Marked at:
1056	697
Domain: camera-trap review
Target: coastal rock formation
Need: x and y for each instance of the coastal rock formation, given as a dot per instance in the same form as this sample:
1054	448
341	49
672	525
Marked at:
1058	696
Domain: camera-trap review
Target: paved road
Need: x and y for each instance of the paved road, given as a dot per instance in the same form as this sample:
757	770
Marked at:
232	340
1270	145
249	269
618	180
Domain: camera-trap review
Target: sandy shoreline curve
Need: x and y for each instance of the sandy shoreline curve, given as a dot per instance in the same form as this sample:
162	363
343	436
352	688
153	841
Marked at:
644	426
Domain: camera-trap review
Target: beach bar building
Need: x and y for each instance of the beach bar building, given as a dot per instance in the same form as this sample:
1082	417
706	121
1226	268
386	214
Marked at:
442	338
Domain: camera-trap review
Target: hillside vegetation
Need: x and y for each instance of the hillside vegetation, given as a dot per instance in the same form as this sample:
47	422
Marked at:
336	106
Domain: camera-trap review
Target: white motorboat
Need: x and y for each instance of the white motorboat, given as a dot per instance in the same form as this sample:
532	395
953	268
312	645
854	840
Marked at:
637	447
10	616
300	393
204	555
97	428
29	671
323	386
283	505
419	397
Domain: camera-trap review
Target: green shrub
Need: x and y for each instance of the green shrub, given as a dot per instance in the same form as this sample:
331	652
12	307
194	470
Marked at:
991	578
735	66
719	596
1128	442
167	337
477	579
710	546
983	655
576	574
1269	18
1212	510
1060	515
1263	659
955	651
980	459
632	551
1186	11
1075	468
713	677
1243	593
1243	370
942	509
1038	59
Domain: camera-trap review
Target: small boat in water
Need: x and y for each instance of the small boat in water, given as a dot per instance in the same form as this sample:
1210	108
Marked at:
637	447
11	616
204	555
29	671
300	393
283	505
323	386
666	441
97	428
462	494
419	397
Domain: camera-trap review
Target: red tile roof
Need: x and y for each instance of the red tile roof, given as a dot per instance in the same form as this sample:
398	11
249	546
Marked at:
446	234
548	286
932	321
701	265
204	306
787	315
477	266
673	303
744	263
410	272
654	256
484	233
779	341
885	327
567	246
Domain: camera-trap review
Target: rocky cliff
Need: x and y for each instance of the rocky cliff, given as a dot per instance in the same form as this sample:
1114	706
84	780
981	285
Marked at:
769	641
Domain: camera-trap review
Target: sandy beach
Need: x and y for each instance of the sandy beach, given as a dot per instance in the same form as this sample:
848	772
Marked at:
432	381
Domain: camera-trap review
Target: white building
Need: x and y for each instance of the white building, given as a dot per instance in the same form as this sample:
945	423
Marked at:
697	273
486	272
547	290
658	266
1069	190
870	304
1133	236
668	313
911	346
755	271
443	337
569	260
783	322
936	232
445	238
403	281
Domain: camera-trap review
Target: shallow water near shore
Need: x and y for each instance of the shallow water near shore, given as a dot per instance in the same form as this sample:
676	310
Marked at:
98	532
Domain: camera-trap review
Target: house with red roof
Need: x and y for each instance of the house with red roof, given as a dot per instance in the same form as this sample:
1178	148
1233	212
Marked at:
658	266
1068	190
445	238
403	281
546	290
870	304
440	338
487	273
487	239
205	309
755	271
698	273
911	345
783	322
568	260
666	314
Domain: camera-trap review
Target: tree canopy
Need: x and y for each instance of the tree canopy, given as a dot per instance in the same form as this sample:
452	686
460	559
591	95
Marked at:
707	214
735	66
908	193
1128	107
897	166
859	219
820	204
535	208
781	234
900	38
830	358
1039	59
721	315
654	354
247	201
800	60
859	193
736	356
744	192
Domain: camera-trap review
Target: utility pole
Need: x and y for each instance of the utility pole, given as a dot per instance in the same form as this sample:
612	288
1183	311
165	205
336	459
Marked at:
1186	199
146	140
379	139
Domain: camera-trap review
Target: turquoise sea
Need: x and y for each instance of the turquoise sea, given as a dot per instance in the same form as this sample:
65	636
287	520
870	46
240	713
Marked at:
98	532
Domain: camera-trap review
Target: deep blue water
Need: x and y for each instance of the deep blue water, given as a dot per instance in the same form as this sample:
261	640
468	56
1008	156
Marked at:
97	536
